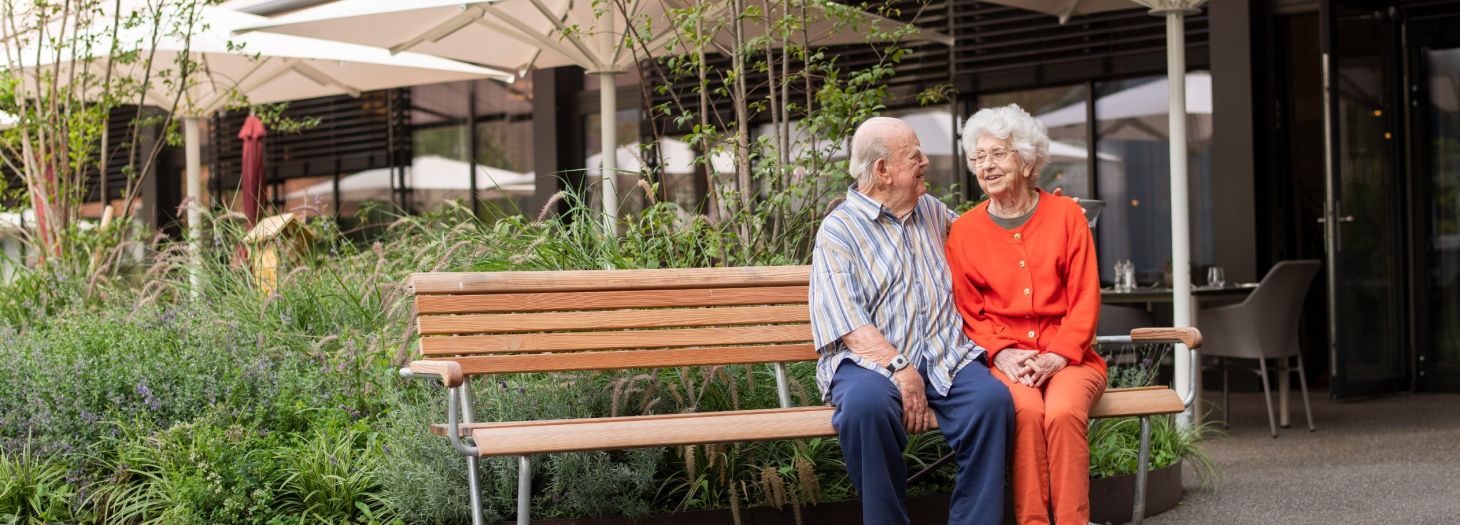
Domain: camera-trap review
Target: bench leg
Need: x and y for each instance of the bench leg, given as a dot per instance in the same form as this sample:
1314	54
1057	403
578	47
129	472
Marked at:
471	461
783	389
524	490
1138	510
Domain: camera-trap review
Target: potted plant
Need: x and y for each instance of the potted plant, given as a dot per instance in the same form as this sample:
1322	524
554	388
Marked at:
1114	445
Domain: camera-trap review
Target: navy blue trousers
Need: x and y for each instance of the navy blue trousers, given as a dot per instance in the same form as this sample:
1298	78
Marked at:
976	417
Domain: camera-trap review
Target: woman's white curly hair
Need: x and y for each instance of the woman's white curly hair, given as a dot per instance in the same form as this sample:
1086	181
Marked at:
1028	136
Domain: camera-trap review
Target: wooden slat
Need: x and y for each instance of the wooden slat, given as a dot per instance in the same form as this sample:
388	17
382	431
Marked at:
1191	337
610	320
552	302
678	429
544	437
466	428
579	361
630	339
605	280
1137	402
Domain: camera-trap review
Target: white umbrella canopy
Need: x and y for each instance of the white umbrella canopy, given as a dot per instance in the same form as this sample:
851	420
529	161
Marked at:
1141	110
267	68
518	34
427	173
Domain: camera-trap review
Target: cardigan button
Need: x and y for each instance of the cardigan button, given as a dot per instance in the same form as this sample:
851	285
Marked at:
1021	263
1026	291
1031	334
1018	236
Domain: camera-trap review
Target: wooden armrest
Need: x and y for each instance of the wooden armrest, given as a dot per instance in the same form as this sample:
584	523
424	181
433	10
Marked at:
450	371
1191	337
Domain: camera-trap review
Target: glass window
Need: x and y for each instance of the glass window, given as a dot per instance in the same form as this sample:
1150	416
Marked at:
630	160
1063	110
1135	173
442	146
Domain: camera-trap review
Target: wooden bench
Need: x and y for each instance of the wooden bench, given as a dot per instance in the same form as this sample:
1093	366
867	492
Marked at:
476	324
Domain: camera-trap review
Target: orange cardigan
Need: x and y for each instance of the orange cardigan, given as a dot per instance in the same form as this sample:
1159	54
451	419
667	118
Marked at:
1036	286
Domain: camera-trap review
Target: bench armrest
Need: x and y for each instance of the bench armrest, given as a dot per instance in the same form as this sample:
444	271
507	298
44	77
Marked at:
1188	336
448	371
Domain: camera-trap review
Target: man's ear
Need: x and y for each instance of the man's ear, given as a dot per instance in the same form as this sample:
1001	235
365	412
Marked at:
879	173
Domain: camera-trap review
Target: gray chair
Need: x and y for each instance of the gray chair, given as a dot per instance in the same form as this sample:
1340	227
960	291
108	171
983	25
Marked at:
1262	327
1120	320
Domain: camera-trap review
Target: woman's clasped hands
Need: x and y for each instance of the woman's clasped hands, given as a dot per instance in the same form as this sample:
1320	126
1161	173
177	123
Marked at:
1029	367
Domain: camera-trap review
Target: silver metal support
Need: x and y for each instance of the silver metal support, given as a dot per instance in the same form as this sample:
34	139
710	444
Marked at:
783	389
524	490
453	433
471	461
1138	510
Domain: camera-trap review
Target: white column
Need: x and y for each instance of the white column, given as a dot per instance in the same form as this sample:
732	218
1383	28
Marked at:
193	154
608	121
608	130
1180	217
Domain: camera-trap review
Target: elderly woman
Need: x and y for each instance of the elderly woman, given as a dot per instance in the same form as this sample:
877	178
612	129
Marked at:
1027	285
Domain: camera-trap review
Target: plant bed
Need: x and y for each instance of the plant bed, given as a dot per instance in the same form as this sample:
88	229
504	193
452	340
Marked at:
1111	498
931	508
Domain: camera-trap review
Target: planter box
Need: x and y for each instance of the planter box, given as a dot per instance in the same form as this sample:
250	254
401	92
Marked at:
1110	502
1111	498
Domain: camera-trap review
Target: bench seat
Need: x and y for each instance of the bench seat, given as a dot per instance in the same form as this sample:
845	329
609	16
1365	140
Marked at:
516	438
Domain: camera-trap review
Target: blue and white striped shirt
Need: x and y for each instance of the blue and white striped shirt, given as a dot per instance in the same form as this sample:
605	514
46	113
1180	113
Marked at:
869	267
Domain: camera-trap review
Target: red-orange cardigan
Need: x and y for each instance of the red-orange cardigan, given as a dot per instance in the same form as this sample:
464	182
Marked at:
1036	286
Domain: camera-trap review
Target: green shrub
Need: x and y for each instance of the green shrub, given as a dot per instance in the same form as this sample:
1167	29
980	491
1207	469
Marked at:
34	489
332	477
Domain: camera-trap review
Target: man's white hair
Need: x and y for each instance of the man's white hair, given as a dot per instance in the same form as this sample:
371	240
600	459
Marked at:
868	144
1028	136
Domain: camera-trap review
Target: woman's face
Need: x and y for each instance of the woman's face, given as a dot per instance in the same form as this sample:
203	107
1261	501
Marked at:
998	167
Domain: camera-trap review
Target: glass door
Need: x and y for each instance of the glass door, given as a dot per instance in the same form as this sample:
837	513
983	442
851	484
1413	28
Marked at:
1364	191
1437	122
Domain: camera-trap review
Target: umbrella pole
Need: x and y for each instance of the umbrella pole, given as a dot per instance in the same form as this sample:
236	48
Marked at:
608	110
193	155
1180	224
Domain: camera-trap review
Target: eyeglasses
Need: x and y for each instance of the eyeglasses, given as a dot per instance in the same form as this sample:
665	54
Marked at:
997	155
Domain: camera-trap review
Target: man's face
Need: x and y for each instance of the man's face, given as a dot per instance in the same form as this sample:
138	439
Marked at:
905	165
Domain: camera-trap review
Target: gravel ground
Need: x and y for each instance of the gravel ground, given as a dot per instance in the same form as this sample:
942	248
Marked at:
1393	459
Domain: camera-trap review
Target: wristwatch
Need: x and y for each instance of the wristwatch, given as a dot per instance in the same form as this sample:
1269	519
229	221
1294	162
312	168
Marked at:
898	363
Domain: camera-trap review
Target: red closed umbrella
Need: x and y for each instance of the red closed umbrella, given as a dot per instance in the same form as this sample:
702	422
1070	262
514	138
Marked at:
253	134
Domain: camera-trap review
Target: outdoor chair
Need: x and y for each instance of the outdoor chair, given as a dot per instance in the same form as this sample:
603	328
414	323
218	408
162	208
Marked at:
1262	327
1123	319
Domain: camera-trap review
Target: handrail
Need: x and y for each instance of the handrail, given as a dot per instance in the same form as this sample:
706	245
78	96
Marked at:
1179	337
452	393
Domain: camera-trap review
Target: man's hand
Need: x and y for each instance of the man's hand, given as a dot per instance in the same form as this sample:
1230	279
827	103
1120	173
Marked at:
1010	361
1060	192
1042	367
915	414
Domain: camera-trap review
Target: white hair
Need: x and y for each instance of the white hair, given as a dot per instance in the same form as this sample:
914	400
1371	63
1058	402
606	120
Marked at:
867	147
1028	136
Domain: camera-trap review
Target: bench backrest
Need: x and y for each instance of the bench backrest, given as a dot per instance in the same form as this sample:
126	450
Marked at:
509	322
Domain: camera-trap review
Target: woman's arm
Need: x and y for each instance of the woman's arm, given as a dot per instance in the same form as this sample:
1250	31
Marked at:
1082	290
979	326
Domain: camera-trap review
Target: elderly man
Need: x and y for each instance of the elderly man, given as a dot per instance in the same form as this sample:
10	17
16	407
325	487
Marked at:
893	351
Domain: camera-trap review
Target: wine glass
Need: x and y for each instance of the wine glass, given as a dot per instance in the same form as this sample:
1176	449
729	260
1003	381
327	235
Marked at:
1216	278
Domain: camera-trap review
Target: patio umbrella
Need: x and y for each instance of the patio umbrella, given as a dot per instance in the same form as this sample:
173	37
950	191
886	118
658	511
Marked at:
264	68
252	135
1175	12
518	34
427	173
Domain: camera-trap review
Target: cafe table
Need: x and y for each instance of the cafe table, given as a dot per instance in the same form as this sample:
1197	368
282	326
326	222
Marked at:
1151	295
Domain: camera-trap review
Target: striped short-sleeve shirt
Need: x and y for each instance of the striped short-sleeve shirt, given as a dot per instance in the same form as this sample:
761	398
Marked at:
871	268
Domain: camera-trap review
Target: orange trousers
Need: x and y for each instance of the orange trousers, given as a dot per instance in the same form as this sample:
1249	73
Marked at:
1051	460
